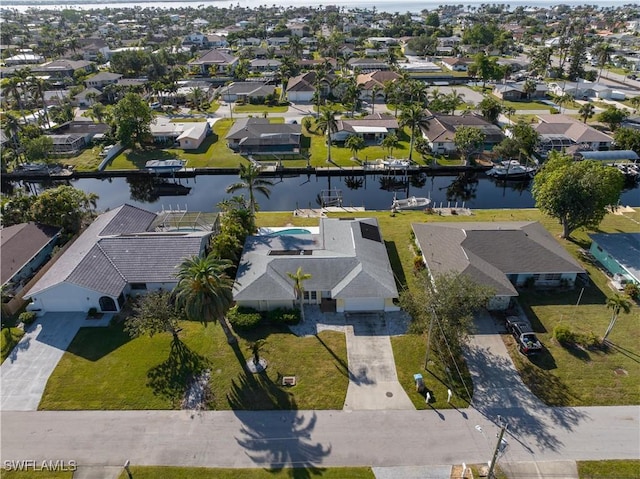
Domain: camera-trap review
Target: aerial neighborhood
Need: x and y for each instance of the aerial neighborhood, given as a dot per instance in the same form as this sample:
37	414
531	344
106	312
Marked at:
425	339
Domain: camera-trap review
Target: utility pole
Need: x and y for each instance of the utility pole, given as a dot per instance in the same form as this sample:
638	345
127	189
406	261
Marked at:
433	320
496	451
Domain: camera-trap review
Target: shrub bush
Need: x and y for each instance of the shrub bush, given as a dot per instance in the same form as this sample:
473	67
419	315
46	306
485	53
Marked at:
418	263
244	319
590	340
284	316
632	290
27	317
564	335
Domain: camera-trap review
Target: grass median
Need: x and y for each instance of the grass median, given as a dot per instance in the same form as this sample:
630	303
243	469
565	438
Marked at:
148	472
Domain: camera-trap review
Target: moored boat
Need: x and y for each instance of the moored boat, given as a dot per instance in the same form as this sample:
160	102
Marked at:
164	166
411	203
511	170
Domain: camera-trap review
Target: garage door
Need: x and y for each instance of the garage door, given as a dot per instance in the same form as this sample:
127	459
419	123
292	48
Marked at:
364	304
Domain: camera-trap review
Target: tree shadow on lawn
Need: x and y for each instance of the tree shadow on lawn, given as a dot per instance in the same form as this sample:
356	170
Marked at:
95	343
282	440
357	378
609	347
171	378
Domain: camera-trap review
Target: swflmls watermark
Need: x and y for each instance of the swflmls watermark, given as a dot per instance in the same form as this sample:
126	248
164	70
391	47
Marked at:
58	465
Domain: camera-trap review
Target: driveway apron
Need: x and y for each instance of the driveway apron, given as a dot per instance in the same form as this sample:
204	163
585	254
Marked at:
373	382
26	371
496	382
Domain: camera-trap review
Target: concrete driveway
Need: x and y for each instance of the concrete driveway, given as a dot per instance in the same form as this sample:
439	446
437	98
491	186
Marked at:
25	372
373	382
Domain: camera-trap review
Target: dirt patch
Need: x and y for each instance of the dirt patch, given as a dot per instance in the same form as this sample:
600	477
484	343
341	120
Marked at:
620	372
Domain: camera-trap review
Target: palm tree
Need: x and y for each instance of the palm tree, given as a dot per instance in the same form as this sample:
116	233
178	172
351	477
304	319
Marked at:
37	87
251	181
529	88
390	142
415	117
204	290
327	124
354	143
298	287
603	52
13	87
454	100
586	111
561	100
11	124
616	303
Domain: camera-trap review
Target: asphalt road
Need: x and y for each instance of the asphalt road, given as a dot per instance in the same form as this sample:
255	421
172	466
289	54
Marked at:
311	439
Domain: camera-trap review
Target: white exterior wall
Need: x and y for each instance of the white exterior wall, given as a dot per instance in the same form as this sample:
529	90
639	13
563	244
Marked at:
442	147
300	96
67	297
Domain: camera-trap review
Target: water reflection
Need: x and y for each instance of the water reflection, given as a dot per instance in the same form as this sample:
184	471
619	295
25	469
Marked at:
463	187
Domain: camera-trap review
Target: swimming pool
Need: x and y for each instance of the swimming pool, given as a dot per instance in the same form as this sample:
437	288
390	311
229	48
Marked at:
290	231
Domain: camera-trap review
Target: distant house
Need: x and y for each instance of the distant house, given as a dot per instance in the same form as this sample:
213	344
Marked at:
586	89
442	130
188	135
196	39
74	136
25	248
375	81
62	68
246	91
56	97
125	251
515	91
347	261
264	65
258	136
302	88
502	255
558	132
619	253
372	128
216	60
457	64
87	97
365	65
102	79
24	58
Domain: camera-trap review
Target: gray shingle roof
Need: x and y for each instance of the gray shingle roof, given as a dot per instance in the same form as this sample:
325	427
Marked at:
117	249
488	252
341	261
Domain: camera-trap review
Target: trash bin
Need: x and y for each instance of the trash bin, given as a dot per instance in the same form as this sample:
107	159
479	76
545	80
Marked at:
419	382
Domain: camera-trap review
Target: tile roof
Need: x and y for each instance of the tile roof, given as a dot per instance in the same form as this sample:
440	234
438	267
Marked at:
118	248
442	128
571	128
489	252
341	261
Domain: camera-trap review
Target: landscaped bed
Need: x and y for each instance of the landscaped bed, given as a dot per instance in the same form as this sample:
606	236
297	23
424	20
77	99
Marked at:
150	472
8	339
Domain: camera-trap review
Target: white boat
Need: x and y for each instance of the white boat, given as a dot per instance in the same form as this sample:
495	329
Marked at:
411	203
396	163
164	166
511	170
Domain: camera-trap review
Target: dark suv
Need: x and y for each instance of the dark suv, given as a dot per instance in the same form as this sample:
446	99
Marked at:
527	341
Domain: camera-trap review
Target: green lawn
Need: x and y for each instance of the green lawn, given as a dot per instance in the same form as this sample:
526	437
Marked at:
87	160
525	105
341	156
9	337
260	109
104	369
621	469
150	472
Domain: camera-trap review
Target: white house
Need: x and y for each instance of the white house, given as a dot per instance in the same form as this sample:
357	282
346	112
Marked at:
347	261
125	251
189	135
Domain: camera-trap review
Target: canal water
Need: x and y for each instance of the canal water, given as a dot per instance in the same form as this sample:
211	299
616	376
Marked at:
374	192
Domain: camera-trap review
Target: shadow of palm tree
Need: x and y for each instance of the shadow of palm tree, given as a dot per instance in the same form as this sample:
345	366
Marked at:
282	441
171	378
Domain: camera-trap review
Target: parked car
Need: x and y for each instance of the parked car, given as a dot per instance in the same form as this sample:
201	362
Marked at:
524	335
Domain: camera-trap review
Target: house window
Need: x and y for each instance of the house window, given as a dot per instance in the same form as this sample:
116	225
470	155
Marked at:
306	295
107	304
139	286
552	277
314	295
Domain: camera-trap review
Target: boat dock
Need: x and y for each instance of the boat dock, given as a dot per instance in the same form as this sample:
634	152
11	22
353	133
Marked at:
322	212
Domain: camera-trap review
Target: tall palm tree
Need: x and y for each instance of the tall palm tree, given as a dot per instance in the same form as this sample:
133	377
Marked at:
415	117
204	290
355	144
603	52
11	124
13	88
327	124
298	287
616	303
37	87
251	181
586	111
